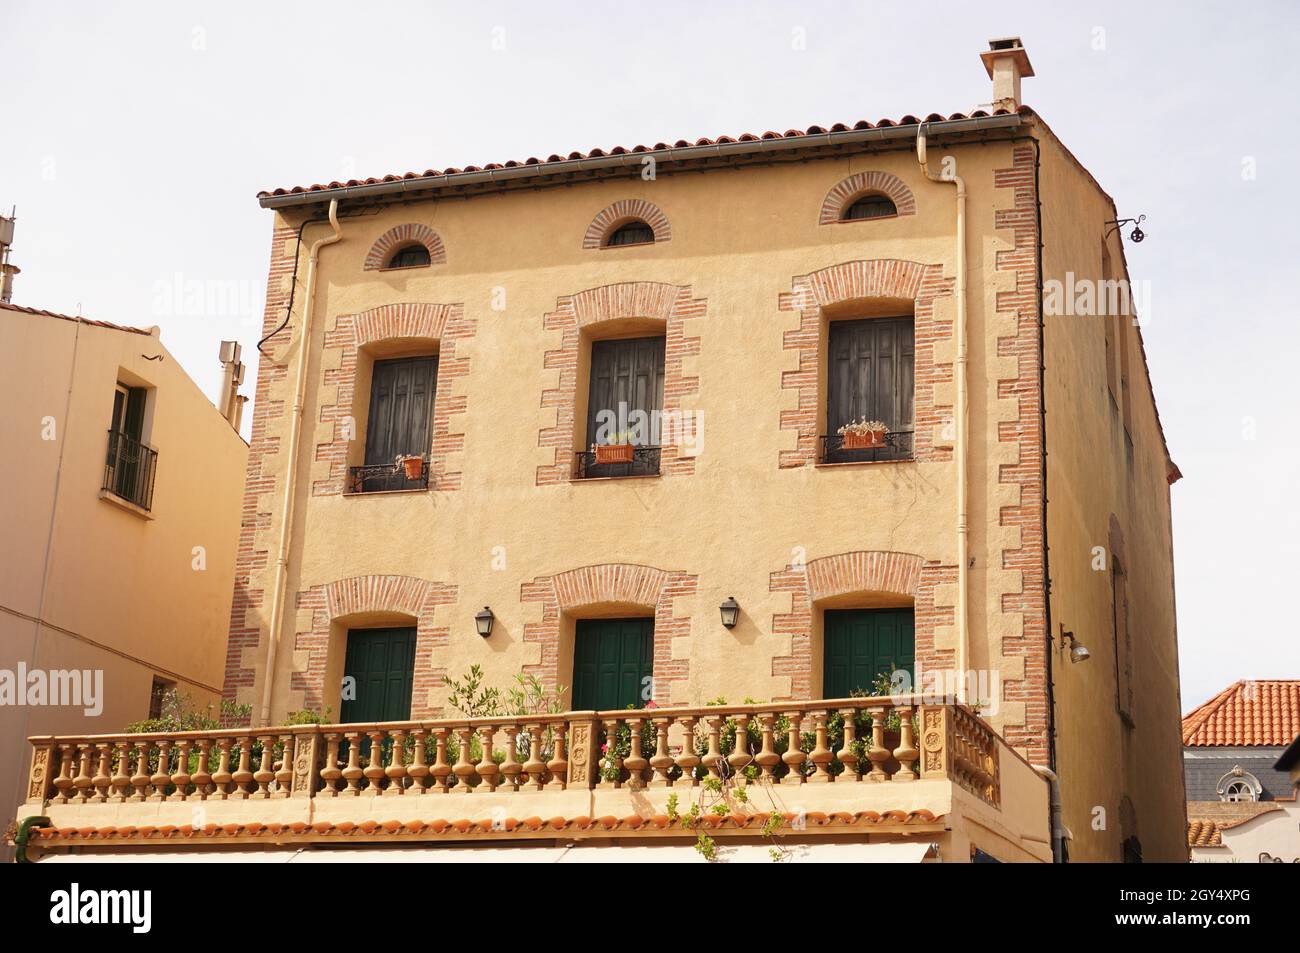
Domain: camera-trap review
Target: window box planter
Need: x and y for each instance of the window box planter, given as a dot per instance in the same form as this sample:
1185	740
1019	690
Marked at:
613	453
864	440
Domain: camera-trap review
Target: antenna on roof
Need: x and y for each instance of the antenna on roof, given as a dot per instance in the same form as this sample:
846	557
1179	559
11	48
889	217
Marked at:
7	270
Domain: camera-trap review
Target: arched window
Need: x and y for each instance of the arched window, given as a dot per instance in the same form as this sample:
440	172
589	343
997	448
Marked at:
1239	785
633	233
874	205
412	256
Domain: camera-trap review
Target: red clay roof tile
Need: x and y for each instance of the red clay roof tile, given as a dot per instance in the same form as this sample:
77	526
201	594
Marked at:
1261	712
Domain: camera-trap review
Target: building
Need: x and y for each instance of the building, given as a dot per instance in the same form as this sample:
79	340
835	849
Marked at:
587	419
121	515
1239	756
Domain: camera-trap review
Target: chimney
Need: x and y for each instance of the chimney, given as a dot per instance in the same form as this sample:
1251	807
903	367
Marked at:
232	402
7	269
1007	63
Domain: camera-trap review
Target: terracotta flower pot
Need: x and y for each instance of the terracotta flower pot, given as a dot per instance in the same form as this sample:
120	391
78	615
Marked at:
613	453
413	467
870	440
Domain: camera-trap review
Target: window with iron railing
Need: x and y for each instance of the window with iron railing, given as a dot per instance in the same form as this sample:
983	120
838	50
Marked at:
399	426
869	380
129	469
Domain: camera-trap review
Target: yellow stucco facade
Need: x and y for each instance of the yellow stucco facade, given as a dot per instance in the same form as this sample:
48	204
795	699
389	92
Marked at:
88	581
744	285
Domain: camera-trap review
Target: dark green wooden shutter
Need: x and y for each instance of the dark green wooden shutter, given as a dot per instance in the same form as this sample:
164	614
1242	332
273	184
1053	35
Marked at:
612	660
631	372
862	644
133	420
401	408
382	661
870	372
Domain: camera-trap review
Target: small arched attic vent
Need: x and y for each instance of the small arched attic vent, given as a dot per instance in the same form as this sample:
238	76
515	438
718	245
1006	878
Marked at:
872	205
409	256
627	222
635	232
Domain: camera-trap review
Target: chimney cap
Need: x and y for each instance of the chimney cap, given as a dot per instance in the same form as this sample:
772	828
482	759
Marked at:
1007	47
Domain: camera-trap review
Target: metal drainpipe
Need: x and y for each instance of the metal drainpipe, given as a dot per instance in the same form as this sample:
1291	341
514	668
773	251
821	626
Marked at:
960	423
274	622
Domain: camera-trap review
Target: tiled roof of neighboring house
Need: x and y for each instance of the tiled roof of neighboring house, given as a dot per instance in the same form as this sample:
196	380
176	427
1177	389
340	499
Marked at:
1259	712
790	134
1207	820
504	828
67	317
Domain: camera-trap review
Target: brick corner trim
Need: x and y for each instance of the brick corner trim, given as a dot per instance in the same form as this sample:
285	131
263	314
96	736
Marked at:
442	324
671	304
847	191
875	278
622	212
644	586
355	595
412	233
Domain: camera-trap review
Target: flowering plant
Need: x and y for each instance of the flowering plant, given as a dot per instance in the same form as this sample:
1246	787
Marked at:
862	427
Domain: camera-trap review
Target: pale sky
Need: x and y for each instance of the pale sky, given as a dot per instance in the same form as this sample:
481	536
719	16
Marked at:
134	137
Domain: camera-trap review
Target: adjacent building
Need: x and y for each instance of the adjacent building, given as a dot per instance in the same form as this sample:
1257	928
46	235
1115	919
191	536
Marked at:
1239	756
123	487
707	437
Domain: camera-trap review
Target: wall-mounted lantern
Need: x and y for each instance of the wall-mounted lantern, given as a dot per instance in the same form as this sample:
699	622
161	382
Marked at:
730	610
483	621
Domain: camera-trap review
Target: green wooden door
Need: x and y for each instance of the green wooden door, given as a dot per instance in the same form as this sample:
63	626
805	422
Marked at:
862	644
613	660
382	664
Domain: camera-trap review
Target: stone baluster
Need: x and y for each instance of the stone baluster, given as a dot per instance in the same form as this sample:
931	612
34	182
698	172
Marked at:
181	769
464	768
202	776
848	757
611	765
740	757
713	757
794	756
396	771
767	757
821	755
121	778
688	759
140	779
906	752
162	776
662	762
331	774
878	754
511	767
284	776
558	766
374	771
223	779
534	767
635	762
101	779
64	782
263	776
243	776
441	766
488	771
83	781
418	771
353	773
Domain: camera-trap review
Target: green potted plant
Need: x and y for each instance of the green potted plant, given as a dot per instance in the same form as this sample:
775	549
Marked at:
864	435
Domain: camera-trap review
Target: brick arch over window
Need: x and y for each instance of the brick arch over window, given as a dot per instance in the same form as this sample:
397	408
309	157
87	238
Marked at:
443	325
671	304
644	586
841	574
846	191
412	233
920	283
358	595
622	212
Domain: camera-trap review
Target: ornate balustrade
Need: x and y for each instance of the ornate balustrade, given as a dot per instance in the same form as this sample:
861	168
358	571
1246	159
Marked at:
837	741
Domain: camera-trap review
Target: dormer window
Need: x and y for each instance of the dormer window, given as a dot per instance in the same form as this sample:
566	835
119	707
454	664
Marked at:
874	205
412	256
632	233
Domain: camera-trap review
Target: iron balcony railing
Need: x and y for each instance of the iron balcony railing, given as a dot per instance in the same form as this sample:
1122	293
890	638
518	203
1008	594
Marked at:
386	477
129	469
898	446
644	462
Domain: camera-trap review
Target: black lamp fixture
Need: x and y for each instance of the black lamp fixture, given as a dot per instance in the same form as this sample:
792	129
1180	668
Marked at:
483	621
730	610
1078	651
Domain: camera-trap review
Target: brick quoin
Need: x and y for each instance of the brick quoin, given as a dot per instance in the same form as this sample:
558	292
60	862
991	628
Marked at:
1026	474
642	586
847	191
399	236
620	213
443	326
671	304
849	281
344	598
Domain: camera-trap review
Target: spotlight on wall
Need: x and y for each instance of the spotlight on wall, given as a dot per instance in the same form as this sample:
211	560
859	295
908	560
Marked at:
730	610
1078	651
483	621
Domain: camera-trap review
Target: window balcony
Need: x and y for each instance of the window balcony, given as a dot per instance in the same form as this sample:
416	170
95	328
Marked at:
640	461
894	769
388	477
129	470
897	446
